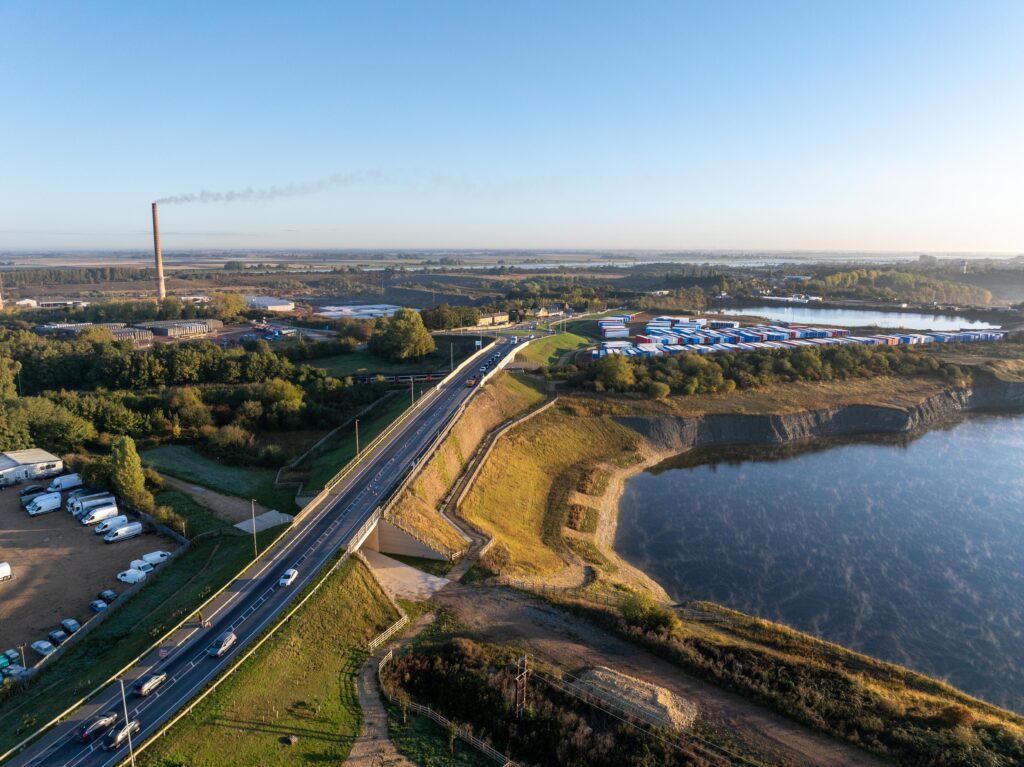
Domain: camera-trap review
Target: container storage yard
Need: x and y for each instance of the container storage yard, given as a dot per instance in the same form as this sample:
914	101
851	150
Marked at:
696	335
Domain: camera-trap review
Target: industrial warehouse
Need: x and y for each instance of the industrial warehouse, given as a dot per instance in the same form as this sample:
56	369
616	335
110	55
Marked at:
697	335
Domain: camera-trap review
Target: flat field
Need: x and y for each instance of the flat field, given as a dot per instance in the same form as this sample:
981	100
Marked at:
59	566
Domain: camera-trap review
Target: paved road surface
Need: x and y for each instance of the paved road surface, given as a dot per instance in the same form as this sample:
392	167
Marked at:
252	603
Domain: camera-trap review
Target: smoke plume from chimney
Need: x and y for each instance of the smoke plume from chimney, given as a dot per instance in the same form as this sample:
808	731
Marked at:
273	192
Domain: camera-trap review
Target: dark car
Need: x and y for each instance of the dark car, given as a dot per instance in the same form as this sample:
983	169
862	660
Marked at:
30	489
118	737
94	728
107	595
58	637
70	625
12	655
97	605
148	683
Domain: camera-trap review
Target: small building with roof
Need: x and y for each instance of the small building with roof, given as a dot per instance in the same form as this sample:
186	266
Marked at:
22	465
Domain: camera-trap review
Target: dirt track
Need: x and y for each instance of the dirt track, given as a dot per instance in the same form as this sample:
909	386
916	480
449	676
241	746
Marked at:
59	566
502	615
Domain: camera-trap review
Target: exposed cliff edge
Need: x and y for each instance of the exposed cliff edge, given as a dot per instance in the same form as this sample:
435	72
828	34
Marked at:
680	433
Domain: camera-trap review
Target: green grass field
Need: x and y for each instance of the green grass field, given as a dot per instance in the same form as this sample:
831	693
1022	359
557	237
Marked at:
168	597
185	463
301	682
553	349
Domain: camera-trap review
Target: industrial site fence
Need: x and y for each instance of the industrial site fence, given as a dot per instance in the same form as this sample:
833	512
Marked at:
463	731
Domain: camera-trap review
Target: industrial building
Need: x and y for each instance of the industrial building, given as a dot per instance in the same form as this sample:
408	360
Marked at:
180	328
21	465
269	304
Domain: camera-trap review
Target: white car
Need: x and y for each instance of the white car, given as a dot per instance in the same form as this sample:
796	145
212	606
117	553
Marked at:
289	577
142	565
131	576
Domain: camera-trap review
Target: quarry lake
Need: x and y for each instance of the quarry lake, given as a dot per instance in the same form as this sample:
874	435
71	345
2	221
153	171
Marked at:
852	318
909	550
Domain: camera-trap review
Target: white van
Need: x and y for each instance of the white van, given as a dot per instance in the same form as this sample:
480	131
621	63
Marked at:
123	533
5	571
156	557
43	503
75	504
99	514
65	482
131	576
138	564
113	523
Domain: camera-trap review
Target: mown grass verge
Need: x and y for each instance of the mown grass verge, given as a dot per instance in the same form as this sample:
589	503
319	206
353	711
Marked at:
300	682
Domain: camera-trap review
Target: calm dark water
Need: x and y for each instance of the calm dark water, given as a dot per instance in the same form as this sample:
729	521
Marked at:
861	317
911	552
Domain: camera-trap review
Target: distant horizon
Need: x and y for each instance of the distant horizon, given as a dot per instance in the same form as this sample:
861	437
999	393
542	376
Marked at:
664	126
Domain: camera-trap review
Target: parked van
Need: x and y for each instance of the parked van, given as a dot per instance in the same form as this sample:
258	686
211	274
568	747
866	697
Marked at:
75	504
111	524
131	576
98	514
156	557
86	506
138	564
65	482
5	571
27	498
43	503
123	533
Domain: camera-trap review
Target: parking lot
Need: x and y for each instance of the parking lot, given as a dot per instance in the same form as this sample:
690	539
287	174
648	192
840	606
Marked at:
59	567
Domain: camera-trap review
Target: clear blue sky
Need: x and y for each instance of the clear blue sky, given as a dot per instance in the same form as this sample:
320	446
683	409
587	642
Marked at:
773	125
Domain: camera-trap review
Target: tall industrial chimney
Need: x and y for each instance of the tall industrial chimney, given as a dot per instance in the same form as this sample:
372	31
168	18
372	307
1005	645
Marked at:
161	290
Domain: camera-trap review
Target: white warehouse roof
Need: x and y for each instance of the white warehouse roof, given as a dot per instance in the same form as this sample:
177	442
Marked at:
270	303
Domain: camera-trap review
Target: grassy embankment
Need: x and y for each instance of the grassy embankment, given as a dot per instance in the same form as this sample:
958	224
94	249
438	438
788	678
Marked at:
551	470
301	682
506	396
176	590
185	463
554	349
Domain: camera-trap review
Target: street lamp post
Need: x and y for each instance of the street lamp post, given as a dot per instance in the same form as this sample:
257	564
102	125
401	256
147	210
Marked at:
255	549
357	438
22	648
124	702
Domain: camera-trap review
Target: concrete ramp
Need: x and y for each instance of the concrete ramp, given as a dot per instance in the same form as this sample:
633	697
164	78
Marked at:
401	580
265	521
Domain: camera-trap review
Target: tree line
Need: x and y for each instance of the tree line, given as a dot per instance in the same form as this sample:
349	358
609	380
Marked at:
692	374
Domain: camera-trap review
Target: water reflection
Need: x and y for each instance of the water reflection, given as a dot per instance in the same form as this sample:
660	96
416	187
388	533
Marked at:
861	317
911	551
